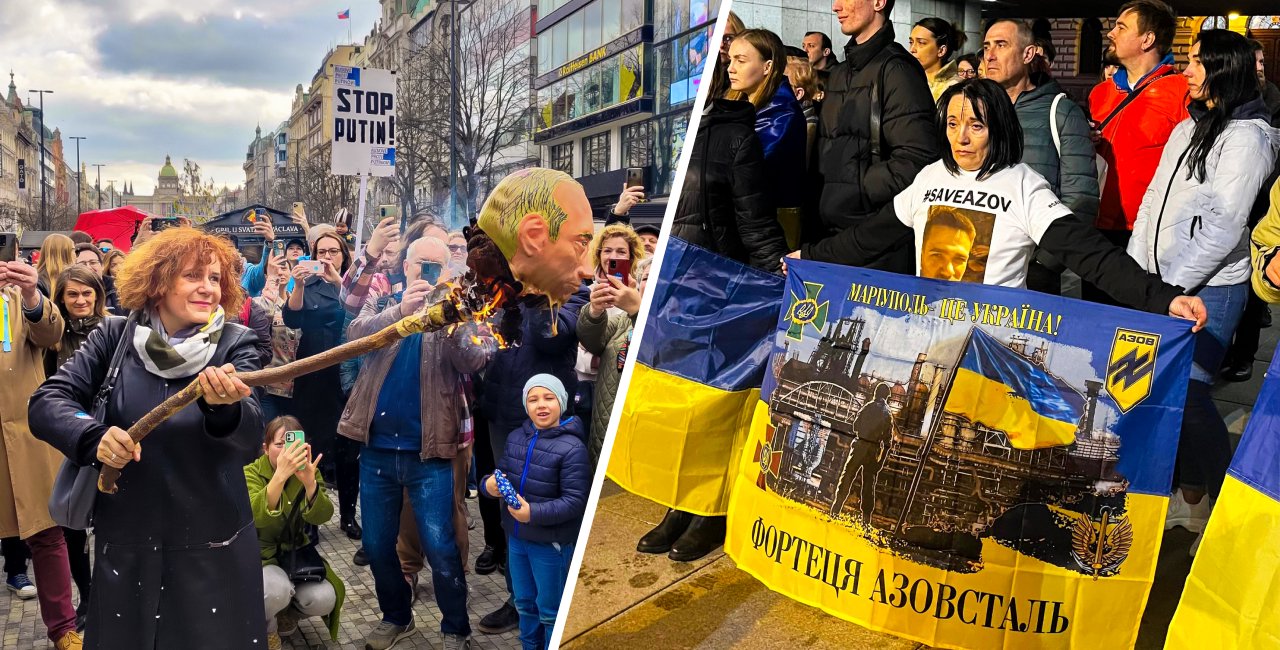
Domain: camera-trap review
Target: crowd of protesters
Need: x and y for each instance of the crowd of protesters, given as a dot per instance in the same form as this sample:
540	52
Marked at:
236	490
1147	189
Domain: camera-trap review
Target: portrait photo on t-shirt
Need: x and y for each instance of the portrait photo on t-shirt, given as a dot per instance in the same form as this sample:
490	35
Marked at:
955	244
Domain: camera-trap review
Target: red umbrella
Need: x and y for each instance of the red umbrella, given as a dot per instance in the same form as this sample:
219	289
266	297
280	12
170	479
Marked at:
116	224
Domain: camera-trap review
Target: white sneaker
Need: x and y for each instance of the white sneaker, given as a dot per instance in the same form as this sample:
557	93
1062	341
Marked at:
1195	546
1192	517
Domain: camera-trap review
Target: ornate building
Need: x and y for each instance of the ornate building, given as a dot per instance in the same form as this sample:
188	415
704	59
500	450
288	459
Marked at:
166	195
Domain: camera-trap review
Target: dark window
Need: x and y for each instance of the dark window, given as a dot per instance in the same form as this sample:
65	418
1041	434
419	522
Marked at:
562	157
1091	47
595	154
637	144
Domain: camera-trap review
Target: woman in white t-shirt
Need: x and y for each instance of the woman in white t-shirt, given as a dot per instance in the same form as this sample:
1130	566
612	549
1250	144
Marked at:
977	215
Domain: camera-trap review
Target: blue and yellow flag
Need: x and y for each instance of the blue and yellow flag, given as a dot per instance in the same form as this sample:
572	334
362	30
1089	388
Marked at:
962	465
696	380
1232	597
1001	389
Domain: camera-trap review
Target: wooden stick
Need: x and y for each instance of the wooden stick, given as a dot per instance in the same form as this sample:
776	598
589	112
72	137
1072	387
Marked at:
437	317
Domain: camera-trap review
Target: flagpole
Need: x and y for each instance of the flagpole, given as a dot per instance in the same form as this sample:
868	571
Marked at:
929	439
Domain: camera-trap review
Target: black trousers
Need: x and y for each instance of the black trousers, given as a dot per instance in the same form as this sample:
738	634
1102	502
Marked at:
486	460
1244	347
865	457
16	555
346	464
78	555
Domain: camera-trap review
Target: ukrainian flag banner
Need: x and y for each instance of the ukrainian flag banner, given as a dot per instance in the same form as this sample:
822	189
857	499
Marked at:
696	380
1231	600
962	465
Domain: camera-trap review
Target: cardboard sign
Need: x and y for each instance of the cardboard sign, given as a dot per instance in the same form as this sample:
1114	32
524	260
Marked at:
364	122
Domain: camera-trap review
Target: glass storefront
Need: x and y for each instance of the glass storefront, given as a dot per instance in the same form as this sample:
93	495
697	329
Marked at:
614	81
588	28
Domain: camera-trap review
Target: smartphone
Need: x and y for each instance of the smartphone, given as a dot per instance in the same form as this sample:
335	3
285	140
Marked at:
277	247
385	211
295	436
298	208
252	217
159	224
431	271
316	267
8	246
635	177
620	269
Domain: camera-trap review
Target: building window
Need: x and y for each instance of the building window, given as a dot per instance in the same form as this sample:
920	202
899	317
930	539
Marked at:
1264	22
637	144
1214	22
615	80
671	135
595	154
562	157
679	68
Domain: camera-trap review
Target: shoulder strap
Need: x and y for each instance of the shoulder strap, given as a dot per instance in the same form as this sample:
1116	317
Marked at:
876	134
1132	96
1053	123
113	370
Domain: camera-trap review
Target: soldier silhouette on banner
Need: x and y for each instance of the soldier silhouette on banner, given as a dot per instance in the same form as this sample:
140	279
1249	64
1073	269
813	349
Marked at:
874	430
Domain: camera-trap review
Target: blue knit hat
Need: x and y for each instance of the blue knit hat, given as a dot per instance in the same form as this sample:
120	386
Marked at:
551	383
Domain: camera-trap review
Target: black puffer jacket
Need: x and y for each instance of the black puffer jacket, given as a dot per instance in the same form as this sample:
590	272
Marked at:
723	207
854	185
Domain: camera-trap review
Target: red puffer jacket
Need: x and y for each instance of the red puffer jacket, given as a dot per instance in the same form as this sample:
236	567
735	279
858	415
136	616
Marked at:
1132	142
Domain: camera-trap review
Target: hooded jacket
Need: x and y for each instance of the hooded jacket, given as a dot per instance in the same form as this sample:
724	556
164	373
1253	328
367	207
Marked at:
1196	233
1073	173
781	127
723	206
854	185
551	471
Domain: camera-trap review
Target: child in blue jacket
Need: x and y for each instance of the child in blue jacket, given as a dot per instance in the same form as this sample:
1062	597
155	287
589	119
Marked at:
546	462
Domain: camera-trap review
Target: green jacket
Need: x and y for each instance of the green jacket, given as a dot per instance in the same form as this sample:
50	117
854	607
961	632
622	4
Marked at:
270	524
607	337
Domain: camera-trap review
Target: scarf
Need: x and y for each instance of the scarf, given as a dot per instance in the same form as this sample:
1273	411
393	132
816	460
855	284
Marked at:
181	354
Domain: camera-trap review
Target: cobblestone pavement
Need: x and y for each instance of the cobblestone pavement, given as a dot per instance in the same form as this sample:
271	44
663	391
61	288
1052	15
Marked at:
23	628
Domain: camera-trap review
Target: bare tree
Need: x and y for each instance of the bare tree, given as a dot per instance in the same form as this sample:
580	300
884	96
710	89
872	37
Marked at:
312	183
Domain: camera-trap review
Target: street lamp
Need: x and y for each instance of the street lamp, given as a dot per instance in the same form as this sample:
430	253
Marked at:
112	184
97	187
78	138
44	217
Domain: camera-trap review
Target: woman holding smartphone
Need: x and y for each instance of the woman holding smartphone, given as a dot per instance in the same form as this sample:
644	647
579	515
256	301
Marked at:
315	308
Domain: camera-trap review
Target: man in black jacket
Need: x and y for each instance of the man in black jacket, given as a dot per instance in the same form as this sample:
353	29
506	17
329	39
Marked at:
876	128
874	430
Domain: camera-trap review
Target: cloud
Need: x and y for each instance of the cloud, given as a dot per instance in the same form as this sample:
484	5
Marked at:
145	78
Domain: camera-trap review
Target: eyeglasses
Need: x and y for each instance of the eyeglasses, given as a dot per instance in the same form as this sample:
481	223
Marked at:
458	248
329	251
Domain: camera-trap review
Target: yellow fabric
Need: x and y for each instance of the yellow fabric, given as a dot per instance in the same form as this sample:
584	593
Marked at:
678	441
789	219
1263	243
983	400
1091	605
1232	597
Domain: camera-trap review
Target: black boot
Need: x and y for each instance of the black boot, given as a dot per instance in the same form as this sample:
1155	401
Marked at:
349	526
1238	371
702	537
487	561
659	539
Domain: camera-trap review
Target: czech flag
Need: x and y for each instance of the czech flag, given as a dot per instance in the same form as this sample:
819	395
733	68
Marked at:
1231	600
1000	389
696	380
345	14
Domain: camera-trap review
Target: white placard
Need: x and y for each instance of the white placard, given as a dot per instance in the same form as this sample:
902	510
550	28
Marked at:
364	122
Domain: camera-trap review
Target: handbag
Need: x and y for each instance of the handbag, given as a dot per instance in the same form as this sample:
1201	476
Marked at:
75	489
300	563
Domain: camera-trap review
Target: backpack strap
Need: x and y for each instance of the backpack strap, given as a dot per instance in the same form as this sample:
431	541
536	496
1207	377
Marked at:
1053	125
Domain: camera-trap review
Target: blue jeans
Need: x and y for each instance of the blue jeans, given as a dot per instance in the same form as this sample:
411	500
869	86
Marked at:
538	571
384	475
1204	446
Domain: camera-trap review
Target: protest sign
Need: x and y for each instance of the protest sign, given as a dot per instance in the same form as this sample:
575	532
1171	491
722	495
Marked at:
364	122
964	465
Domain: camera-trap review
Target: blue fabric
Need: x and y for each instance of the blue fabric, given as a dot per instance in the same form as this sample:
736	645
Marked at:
711	319
538	573
1257	459
1121	77
1048	395
1224	305
780	124
551	383
553	473
397	420
384	476
540	351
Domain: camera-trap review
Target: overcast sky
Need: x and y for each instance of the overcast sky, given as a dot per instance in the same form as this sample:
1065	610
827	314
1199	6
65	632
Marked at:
145	78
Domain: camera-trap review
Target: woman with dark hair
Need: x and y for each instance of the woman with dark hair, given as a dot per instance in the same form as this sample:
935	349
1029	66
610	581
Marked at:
934	43
1193	230
176	559
978	214
967	67
757	74
315	308
82	300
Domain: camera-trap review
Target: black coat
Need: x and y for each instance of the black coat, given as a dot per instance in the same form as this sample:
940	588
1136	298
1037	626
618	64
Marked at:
723	206
856	186
158	581
318	400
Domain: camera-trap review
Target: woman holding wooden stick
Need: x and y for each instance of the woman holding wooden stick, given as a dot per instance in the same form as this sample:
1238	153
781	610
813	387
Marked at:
176	558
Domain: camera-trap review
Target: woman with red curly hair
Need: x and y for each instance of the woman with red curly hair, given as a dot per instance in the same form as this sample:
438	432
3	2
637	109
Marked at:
176	557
